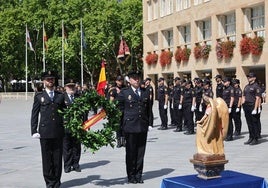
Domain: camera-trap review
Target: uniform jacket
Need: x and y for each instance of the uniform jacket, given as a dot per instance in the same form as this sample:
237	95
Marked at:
51	122
135	110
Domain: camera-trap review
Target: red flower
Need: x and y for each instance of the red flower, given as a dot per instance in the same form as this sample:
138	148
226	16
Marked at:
165	58
219	50
245	46
178	55
151	58
256	45
185	54
228	49
197	51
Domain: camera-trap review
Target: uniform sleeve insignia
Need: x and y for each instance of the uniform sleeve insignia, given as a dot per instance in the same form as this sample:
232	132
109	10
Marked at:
258	91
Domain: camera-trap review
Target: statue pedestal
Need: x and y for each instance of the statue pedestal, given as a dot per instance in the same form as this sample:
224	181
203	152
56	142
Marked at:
208	166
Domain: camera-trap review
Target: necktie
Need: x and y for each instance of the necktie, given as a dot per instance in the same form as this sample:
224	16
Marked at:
71	98
51	95
137	93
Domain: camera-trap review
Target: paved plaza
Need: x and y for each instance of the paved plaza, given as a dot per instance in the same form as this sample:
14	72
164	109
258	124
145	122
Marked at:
167	154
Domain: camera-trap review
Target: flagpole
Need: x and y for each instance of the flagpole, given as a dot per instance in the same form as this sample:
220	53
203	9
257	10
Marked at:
82	63
44	55
26	65
62	54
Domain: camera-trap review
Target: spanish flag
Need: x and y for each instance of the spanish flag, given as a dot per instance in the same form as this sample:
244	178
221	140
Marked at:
94	119
102	80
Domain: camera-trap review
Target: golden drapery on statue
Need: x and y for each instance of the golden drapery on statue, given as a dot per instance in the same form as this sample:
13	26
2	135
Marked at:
213	127
211	131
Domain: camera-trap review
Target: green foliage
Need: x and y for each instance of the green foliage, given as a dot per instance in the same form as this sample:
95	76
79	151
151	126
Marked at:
103	23
92	140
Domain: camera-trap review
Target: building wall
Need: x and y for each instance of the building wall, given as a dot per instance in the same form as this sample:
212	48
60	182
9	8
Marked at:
237	66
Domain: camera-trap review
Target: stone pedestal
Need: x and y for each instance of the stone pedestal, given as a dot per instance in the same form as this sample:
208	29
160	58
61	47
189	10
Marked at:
208	166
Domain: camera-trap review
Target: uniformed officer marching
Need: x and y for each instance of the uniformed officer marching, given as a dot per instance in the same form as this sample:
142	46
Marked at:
177	107
237	107
162	103
151	90
251	102
188	107
135	105
219	87
71	145
49	129
228	97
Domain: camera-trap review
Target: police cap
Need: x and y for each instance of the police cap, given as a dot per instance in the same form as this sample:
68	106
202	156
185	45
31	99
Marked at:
70	82
218	76
48	74
251	75
161	79
226	79
134	74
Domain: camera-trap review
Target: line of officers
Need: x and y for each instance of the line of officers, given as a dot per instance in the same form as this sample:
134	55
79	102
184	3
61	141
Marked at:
185	102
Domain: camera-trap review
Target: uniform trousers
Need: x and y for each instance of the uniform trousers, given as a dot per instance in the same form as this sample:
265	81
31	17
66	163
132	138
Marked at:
135	151
252	121
71	151
188	117
177	116
231	125
51	150
163	115
237	119
198	114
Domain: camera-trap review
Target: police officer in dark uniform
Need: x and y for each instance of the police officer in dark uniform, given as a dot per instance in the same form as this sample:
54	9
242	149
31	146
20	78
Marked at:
135	105
177	101
49	128
207	90
162	103
199	111
219	87
71	145
188	107
171	103
151	90
237	107
251	101
228	97
113	93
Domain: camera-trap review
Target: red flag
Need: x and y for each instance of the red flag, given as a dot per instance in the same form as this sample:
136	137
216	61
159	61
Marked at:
102	80
123	49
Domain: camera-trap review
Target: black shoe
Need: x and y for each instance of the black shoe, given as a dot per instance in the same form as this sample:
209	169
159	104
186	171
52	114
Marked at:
132	180
189	132
68	170
236	133
229	138
249	141
140	180
178	130
254	142
77	169
164	128
119	143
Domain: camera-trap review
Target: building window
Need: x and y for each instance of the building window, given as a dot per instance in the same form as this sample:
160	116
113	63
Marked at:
155	9
230	24
197	2
187	34
179	5
168	36
187	4
149	10
154	40
206	30
257	17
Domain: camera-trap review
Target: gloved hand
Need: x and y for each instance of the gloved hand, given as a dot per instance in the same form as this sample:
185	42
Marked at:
200	108
259	110
192	108
165	106
229	110
254	112
237	110
36	135
171	106
180	107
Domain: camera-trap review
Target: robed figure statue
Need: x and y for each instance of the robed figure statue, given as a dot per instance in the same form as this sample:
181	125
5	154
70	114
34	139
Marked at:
210	133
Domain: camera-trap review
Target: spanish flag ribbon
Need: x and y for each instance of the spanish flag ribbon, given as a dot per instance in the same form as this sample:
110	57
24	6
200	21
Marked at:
94	119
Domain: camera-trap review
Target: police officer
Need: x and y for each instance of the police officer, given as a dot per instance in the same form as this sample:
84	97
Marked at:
170	100
113	93
135	104
162	103
188	107
151	91
207	90
251	102
228	97
177	107
237	106
219	87
47	104
199	111
71	145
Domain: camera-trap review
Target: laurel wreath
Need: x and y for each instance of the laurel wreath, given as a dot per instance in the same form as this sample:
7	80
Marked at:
90	139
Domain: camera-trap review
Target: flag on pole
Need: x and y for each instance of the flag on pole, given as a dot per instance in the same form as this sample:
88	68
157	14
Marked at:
123	49
45	38
102	80
29	39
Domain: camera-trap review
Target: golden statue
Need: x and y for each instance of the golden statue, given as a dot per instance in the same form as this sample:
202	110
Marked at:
211	131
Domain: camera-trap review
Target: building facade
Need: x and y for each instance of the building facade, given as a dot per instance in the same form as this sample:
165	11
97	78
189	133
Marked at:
203	38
